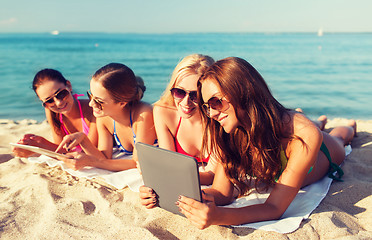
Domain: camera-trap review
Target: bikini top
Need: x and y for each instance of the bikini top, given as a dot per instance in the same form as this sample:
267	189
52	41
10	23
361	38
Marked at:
284	161
116	138
83	123
179	149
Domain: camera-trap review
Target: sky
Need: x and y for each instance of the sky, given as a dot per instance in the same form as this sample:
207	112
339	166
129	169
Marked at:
174	16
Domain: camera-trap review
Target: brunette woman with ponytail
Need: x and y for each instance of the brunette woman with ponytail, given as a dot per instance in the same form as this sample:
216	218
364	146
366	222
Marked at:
122	119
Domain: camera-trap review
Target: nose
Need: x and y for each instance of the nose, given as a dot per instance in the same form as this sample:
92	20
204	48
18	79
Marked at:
57	102
213	113
91	102
187	99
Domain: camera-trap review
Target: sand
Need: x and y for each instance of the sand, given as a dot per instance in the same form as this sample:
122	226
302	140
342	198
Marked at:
40	202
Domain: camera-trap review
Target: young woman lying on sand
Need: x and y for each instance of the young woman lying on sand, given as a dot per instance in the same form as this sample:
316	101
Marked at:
177	114
64	112
122	119
253	135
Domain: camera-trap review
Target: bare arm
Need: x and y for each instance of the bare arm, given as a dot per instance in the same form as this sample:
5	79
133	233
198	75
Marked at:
145	132
162	116
145	129
301	158
57	137
207	173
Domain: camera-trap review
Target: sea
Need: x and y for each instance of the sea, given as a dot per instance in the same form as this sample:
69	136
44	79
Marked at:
329	74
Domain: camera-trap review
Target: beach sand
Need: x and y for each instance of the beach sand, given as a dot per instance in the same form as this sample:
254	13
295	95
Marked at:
40	202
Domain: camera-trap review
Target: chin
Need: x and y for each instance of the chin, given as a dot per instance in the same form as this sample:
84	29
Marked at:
229	129
186	115
98	114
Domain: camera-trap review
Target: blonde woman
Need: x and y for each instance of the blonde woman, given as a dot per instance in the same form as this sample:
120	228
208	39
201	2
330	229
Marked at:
178	121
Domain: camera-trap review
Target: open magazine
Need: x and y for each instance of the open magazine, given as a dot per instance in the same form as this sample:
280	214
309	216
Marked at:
39	150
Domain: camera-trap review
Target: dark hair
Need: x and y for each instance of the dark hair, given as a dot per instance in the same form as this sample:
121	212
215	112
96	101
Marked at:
253	149
120	81
47	74
43	76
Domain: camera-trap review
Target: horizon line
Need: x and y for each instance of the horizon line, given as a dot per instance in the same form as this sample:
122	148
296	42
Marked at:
164	33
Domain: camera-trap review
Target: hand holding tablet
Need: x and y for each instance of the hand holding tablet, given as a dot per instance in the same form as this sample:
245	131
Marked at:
39	150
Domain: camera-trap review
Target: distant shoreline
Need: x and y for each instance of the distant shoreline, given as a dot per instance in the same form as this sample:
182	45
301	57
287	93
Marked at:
184	33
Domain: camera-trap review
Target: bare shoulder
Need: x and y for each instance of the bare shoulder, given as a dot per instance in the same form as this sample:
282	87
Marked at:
304	127
305	142
106	122
164	112
143	109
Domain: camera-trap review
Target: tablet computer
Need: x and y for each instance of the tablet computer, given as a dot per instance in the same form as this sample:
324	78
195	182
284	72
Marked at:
39	150
169	174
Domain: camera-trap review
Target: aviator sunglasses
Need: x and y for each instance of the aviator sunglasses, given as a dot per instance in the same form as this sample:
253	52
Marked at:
98	103
60	95
180	94
218	104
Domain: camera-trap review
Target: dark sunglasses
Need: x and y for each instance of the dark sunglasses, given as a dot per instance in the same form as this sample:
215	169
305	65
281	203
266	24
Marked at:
218	104
98	103
61	95
180	94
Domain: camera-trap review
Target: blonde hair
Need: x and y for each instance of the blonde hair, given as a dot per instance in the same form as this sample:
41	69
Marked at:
189	65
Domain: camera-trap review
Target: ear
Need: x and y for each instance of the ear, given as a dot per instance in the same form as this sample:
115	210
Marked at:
69	86
123	104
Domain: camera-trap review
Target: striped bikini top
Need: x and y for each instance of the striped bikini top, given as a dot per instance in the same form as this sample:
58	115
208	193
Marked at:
116	138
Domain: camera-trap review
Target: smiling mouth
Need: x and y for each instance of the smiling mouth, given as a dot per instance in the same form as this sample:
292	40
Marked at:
96	110
187	110
222	119
61	108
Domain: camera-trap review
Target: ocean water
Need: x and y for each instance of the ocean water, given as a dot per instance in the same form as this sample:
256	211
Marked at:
329	75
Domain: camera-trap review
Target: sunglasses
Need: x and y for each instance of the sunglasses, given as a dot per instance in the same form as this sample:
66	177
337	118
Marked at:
180	94
98	103
60	95
218	104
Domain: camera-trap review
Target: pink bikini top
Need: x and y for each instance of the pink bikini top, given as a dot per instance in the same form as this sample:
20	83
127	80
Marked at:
83	123
179	149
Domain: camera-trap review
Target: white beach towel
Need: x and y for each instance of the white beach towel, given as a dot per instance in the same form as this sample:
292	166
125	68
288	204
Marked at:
131	178
307	199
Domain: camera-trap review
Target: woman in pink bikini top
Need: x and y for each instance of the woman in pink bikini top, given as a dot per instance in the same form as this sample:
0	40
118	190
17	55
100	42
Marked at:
64	112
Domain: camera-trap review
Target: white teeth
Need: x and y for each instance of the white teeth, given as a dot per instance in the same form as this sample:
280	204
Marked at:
221	120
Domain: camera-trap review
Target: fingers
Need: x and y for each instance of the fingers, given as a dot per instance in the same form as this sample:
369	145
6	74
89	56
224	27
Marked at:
149	202
37	138
144	189
188	206
148	197
71	160
190	214
28	135
18	152
200	214
190	202
67	143
63	144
